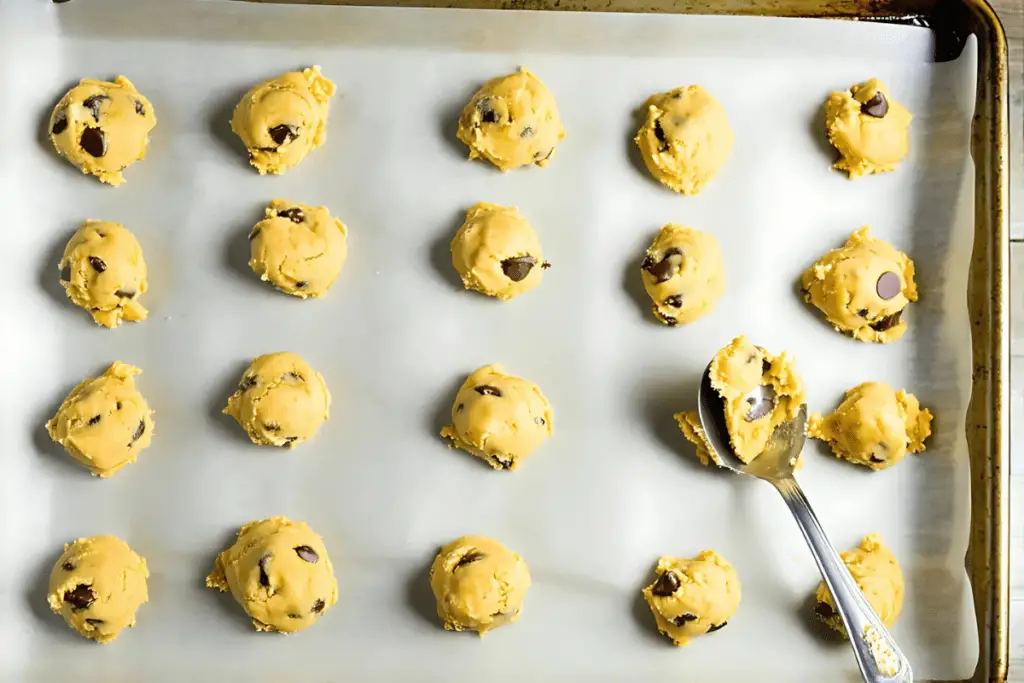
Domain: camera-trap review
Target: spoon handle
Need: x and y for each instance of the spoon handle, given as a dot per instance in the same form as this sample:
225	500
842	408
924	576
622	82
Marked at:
878	657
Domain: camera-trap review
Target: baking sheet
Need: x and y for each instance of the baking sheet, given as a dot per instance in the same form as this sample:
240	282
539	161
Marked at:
617	485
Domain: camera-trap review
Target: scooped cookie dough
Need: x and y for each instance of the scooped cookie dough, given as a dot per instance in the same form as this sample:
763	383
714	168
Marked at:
497	253
102	127
479	584
870	130
103	271
879	577
499	418
297	248
104	423
98	585
863	288
736	371
512	121
279	572
689	425
280	401
691	597
874	426
282	120
684	274
685	139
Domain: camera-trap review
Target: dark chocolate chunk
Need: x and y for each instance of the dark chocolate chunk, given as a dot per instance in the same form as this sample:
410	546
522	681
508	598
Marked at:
318	607
60	122
118	405
887	322
540	421
307	554
264	578
68	566
516	269
501	463
823	609
875	458
863	312
294	616
140	108
877	106
292	376
97	263
527	132
248	382
94	142
684	618
664	269
294	214
289	440
669	320
715	627
487	113
459	408
666	585
271	427
659	133
124	295
888	285
675	301
95	420
488	390
80	598
92	103
283	133
139	431
469	558
301	284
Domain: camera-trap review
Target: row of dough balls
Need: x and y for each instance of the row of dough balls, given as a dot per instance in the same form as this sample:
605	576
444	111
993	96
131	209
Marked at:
511	121
862	287
279	572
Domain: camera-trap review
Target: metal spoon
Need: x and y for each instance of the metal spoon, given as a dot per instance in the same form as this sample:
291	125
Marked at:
878	657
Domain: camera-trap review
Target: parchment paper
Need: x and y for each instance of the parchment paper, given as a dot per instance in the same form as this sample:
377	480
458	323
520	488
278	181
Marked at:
617	485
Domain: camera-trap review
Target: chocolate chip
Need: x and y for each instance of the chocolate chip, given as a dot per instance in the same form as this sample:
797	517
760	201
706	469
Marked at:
67	566
140	108
666	585
875	458
715	628
283	133
248	383
264	578
92	103
294	616
293	214
516	269
487	113
887	322
675	301
94	142
60	122
469	558
301	284
97	263
664	269
659	133
318	607
863	312
684	618
307	553
95	420
501	463
888	285
94	622
669	320
292	376
65	273
877	106
289	440
527	132
255	233
540	421
823	609
118	405
459	408
271	427
488	390
124	295
80	598
139	431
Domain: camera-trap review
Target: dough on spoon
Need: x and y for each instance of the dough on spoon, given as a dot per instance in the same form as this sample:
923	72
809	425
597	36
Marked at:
693	596
497	253
98	585
879	577
684	274
869	129
479	584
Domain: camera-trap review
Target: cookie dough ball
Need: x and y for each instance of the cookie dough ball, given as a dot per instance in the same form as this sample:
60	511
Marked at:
512	121
497	253
685	138
102	127
499	418
479	584
863	288
279	572
281	401
875	426
868	128
103	271
879	577
739	369
684	274
691	597
297	248
104	423
98	585
282	120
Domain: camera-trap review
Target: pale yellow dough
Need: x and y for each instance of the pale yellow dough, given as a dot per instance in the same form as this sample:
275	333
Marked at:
102	127
499	418
875	426
879	577
736	371
689	425
685	138
279	572
297	248
512	121
693	596
103	271
479	584
684	274
497	253
280	401
104	423
868	128
863	288
283	119
98	585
